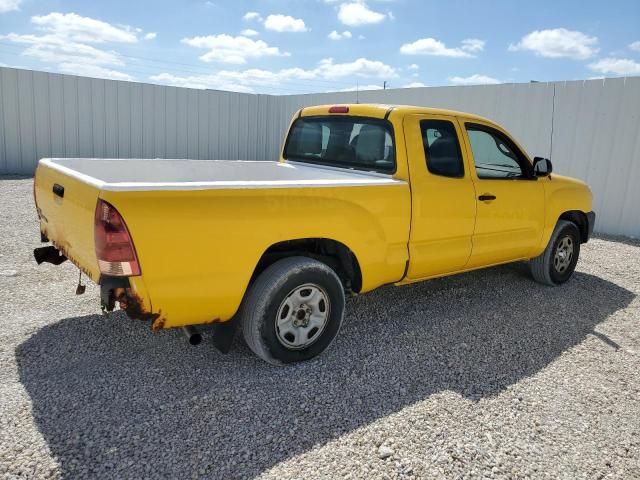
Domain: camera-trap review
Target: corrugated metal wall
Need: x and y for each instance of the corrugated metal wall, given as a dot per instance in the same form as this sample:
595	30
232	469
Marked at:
51	115
591	128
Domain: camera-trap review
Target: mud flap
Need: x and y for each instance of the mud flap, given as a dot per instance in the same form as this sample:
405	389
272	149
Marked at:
223	334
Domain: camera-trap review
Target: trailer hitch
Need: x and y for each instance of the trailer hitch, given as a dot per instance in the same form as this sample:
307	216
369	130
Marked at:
48	254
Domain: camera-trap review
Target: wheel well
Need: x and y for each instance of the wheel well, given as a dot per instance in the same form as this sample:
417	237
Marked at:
334	254
580	219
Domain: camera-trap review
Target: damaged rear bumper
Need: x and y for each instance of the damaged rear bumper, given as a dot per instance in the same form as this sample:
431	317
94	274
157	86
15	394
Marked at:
119	289
130	294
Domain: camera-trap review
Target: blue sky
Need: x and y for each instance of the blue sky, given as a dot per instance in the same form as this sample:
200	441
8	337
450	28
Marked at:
296	46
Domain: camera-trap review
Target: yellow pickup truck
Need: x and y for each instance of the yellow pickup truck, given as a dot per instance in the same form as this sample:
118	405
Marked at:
362	196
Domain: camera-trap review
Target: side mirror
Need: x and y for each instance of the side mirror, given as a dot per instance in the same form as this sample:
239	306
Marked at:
542	167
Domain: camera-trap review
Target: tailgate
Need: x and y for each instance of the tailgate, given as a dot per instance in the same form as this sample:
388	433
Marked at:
66	206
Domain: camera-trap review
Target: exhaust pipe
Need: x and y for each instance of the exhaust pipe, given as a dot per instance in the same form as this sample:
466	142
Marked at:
193	335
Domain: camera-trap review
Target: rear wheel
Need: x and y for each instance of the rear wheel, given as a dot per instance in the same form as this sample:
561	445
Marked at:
293	311
558	261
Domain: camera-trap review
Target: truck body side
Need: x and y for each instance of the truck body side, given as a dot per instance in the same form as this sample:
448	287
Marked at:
199	248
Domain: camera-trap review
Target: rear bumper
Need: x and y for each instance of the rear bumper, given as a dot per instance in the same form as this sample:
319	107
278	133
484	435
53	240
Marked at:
591	220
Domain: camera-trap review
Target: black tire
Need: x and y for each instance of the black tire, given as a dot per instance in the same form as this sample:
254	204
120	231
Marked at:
548	268
264	302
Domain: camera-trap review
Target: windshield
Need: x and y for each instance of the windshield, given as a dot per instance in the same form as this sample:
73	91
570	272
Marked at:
351	142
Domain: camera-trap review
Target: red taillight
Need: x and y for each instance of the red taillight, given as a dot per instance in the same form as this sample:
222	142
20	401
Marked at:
339	109
114	246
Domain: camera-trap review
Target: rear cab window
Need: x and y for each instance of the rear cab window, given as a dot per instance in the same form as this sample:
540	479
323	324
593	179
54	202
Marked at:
442	148
359	143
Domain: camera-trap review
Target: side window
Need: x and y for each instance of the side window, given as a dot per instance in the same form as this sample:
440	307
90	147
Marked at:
493	156
441	148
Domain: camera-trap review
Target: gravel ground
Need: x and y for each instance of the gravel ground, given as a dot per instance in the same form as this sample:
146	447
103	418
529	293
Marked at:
485	374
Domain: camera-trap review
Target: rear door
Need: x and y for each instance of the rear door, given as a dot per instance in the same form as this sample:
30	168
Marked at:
510	200
443	198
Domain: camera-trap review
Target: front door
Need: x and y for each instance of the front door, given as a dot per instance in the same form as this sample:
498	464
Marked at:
443	199
510	200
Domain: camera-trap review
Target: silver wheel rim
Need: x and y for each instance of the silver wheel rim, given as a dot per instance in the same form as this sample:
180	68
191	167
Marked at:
564	254
302	316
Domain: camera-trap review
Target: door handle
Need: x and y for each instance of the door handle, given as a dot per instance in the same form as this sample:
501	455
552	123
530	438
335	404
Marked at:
485	197
58	190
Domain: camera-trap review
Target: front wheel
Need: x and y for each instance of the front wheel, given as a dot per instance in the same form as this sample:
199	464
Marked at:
293	310
556	264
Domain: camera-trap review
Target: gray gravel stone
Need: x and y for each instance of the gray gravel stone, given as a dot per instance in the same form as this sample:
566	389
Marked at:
481	375
385	452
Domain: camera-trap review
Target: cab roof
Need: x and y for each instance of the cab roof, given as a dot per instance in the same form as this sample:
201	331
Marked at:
377	110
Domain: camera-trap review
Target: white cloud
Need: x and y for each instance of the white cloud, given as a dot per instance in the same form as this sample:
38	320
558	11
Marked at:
2	64
96	71
558	43
359	88
635	46
616	66
414	85
9	5
83	29
335	35
414	66
357	13
53	49
246	80
473	45
249	16
215	82
150	36
475	79
284	23
431	46
361	67
67	40
249	32
227	49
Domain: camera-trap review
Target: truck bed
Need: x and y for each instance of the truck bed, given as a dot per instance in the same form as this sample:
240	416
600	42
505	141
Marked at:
200	226
184	174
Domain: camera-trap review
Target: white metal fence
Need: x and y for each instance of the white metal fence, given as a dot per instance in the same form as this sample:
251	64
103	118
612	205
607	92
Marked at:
591	129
